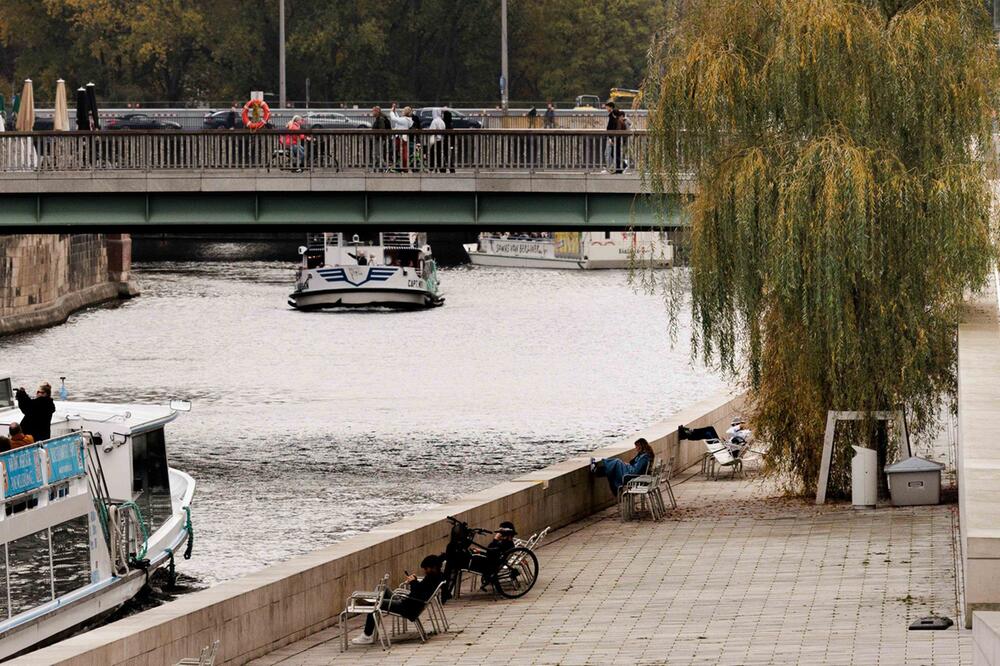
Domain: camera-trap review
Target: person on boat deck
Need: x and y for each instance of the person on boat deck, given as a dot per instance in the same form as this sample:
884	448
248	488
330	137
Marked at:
360	257
421	590
37	411
618	472
18	438
486	561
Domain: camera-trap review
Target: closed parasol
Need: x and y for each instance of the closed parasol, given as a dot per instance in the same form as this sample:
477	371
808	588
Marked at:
60	122
95	121
26	111
82	117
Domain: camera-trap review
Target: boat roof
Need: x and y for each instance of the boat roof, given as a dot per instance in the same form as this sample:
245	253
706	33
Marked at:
137	417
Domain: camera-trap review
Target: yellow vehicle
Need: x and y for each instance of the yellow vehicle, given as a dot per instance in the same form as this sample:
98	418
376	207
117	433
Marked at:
626	96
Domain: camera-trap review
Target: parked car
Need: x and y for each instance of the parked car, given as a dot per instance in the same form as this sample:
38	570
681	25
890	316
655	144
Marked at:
330	120
458	120
218	119
140	121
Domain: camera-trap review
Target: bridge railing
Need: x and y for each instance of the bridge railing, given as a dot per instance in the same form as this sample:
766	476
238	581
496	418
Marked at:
322	150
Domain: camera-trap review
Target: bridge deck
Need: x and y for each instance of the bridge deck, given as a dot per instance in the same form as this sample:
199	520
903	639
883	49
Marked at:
735	576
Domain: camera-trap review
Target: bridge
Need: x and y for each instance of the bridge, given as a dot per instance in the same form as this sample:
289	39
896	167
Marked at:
473	179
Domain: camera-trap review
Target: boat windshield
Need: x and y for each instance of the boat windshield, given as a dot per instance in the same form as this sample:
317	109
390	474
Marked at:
6	393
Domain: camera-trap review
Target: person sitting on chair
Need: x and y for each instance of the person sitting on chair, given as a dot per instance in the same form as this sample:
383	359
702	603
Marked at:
486	561
421	591
739	438
618	472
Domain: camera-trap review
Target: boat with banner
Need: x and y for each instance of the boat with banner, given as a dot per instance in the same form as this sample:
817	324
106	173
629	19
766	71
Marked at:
391	270
573	249
88	515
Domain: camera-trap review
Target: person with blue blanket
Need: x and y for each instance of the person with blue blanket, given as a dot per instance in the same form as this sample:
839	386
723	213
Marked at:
618	472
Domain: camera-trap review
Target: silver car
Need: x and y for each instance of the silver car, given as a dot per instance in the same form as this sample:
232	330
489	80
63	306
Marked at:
331	120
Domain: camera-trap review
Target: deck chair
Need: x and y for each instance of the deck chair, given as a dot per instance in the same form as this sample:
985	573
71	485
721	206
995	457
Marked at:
722	457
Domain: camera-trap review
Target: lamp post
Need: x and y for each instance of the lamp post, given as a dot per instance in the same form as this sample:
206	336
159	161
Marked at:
504	77
281	54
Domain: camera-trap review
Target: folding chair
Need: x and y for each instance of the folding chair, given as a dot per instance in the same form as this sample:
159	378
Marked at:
207	657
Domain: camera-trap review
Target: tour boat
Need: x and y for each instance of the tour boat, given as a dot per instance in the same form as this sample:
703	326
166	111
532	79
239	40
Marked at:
394	270
88	515
573	249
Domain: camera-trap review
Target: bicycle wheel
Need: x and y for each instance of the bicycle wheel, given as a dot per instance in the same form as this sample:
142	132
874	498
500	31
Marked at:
516	574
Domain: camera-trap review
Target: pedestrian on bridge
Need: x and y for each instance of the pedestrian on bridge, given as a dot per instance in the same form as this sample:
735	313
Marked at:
403	121
380	122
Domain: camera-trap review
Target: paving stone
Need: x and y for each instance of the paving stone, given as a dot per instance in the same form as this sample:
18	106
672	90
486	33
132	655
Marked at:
736	575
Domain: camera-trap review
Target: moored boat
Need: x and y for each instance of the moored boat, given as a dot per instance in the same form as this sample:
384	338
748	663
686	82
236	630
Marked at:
573	249
396	270
88	515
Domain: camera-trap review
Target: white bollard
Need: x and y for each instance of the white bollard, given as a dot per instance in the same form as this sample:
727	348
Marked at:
864	478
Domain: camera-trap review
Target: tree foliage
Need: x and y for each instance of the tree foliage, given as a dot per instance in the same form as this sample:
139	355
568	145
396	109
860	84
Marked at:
843	208
426	50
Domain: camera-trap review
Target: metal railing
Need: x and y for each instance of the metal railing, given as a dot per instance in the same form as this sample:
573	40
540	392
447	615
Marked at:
323	151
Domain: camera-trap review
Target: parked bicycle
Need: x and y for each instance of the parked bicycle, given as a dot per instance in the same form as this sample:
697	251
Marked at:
513	575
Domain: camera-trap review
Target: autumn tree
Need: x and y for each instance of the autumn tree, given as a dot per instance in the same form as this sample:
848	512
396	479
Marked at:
841	151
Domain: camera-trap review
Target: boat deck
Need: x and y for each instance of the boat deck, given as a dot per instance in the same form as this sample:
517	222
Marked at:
736	575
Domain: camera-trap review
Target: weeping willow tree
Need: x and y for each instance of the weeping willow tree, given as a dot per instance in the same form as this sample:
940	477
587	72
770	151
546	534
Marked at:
840	150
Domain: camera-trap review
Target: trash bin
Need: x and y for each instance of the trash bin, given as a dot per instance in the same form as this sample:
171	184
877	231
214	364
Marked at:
914	482
864	477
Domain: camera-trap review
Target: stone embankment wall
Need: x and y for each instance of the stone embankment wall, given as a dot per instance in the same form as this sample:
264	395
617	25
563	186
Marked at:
265	610
46	277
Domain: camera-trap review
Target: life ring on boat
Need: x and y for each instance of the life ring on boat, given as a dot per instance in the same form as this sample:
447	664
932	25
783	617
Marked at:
256	113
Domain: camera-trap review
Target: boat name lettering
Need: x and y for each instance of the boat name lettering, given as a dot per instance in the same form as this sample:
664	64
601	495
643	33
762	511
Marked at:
416	284
508	247
22	469
65	458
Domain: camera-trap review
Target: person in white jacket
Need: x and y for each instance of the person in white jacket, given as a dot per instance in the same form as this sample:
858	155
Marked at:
402	122
436	141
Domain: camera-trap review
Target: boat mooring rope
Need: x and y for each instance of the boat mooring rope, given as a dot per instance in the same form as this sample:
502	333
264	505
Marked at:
190	530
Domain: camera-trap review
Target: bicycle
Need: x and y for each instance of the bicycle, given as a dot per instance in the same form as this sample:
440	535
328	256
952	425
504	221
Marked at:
516	570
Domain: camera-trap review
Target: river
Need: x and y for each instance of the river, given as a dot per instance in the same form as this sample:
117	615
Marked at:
307	428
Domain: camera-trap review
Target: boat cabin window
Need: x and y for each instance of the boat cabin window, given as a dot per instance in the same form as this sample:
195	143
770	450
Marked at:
150	478
407	258
6	393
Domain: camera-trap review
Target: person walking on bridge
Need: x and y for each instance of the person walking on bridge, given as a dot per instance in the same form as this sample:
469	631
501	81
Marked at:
380	123
37	411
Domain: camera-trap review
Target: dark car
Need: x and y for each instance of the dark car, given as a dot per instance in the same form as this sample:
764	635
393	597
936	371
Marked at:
140	121
219	119
458	120
330	120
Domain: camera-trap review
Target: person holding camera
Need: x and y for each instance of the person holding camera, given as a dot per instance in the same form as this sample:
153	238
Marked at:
37	411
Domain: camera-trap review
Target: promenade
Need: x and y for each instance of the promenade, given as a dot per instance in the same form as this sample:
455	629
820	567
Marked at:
736	575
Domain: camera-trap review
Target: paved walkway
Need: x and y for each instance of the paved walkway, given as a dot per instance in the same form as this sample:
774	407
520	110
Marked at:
732	577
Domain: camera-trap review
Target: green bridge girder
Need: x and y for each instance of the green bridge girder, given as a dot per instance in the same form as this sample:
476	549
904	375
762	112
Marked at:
292	210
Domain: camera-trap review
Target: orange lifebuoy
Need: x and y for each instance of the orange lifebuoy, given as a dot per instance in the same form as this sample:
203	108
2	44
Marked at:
256	113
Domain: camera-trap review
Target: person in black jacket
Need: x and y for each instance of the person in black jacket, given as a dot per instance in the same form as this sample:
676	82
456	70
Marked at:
486	562
37	411
421	591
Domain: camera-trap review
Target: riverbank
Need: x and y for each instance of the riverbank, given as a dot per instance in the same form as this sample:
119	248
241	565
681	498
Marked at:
44	278
254	615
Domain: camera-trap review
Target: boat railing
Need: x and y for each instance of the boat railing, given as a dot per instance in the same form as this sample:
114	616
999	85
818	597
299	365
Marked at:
398	239
30	470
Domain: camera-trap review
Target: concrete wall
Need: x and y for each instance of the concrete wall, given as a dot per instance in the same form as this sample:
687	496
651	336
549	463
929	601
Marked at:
263	611
986	639
979	452
45	277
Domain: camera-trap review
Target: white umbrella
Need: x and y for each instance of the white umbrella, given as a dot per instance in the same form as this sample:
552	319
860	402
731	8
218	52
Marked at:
26	114
61	120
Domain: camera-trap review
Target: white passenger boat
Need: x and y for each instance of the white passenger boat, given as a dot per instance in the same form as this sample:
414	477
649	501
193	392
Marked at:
573	249
394	270
88	515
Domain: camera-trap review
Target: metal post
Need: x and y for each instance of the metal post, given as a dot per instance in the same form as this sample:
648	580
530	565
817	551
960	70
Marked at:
504	75
281	54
